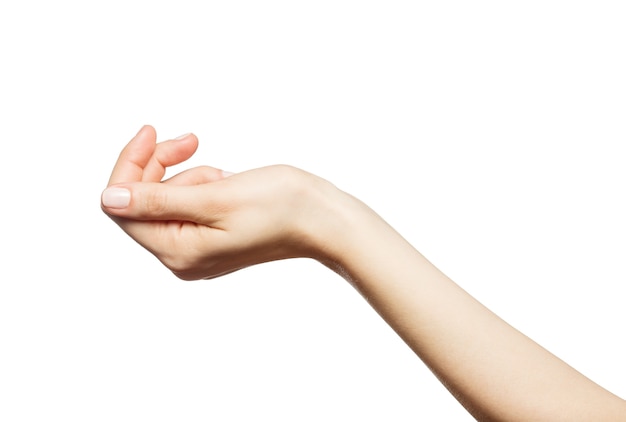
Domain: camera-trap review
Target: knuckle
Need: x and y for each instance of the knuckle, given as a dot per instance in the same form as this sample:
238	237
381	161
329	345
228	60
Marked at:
182	262
207	170
184	276
153	204
178	265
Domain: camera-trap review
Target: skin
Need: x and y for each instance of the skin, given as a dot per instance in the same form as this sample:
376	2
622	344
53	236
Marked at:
202	224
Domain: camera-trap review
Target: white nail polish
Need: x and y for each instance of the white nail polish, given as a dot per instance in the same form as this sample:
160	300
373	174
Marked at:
116	198
226	174
178	138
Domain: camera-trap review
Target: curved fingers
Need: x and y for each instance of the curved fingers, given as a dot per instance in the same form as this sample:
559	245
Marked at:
142	159
169	153
134	157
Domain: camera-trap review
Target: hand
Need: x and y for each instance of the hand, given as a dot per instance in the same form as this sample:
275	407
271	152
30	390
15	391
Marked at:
201	223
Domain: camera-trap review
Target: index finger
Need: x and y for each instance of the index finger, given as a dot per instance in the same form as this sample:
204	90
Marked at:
134	157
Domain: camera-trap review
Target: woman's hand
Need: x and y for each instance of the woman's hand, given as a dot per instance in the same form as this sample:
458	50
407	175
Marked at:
201	223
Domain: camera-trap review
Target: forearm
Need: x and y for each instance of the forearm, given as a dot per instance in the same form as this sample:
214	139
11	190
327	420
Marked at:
496	372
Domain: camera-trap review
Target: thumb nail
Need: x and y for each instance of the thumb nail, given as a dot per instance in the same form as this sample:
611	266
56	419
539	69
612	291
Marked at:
116	198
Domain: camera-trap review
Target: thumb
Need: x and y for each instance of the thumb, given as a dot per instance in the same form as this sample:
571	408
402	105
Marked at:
163	202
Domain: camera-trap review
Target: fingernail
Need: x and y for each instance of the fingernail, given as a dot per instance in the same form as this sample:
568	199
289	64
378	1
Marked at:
226	174
182	136
116	198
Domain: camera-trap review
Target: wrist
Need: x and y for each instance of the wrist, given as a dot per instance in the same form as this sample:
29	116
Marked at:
354	241
337	226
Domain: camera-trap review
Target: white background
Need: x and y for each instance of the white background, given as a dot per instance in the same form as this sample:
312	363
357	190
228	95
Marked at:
490	134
